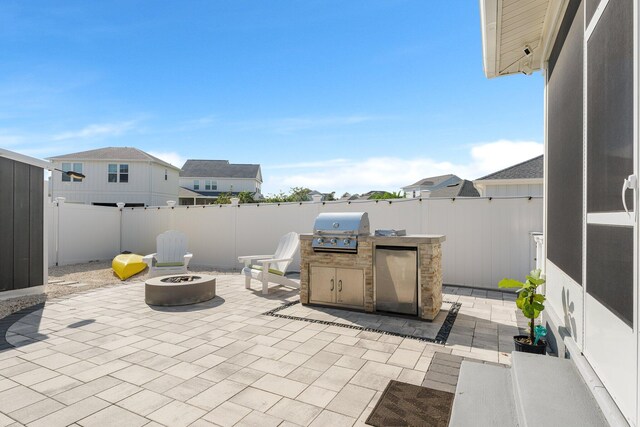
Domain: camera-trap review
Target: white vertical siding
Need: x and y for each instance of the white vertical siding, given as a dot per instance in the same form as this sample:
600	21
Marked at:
146	184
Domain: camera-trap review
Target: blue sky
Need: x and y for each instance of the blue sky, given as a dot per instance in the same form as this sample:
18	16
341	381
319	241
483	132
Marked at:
334	95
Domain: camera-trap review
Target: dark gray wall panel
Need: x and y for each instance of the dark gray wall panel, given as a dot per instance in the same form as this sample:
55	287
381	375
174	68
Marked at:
6	224
610	268
36	213
610	108
565	145
21	226
592	5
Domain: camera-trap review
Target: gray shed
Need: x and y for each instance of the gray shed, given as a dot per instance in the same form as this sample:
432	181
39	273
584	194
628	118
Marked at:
23	260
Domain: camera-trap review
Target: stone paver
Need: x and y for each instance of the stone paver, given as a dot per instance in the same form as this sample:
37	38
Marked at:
104	358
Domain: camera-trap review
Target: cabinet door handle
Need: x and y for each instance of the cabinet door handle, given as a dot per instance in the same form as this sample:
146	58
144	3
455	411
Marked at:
332	284
339	285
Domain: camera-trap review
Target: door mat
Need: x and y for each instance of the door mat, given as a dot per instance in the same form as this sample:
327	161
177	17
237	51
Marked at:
403	404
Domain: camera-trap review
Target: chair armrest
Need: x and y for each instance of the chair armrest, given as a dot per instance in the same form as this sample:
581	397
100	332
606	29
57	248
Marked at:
272	260
252	257
148	259
187	258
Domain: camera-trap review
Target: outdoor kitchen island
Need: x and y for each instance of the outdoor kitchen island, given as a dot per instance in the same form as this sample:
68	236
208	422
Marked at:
348	279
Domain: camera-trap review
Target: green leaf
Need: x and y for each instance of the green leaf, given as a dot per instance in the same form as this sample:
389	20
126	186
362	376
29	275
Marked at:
528	311
538	306
535	281
539	298
510	283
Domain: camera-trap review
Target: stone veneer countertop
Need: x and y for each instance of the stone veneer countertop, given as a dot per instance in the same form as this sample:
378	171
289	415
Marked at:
408	239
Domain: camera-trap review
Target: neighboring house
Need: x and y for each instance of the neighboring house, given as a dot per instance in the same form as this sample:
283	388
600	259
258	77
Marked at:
523	179
203	181
462	188
588	53
115	174
432	183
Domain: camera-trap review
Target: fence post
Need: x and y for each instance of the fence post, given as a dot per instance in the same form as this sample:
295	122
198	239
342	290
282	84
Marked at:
56	226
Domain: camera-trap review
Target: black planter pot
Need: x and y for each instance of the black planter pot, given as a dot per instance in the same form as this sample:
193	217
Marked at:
540	348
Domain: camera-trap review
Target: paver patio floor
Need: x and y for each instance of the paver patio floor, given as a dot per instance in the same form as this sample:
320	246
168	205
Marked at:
106	358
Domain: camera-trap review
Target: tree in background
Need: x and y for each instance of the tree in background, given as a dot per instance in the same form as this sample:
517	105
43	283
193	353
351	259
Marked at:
276	198
299	194
388	195
246	197
329	197
224	199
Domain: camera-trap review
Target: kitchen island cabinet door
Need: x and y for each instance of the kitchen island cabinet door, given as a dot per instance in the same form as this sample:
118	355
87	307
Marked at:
322	285
350	286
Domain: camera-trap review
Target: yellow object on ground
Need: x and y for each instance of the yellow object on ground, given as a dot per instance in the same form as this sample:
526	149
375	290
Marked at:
126	265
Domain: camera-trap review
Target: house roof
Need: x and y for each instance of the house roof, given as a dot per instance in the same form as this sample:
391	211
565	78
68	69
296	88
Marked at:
462	188
113	153
530	169
219	169
432	181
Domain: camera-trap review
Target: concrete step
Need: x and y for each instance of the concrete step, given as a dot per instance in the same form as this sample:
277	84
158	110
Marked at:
550	391
484	397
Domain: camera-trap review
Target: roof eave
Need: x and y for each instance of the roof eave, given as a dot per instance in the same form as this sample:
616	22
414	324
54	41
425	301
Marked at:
25	159
491	26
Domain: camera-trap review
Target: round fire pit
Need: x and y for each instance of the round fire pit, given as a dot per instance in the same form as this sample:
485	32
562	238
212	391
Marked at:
179	289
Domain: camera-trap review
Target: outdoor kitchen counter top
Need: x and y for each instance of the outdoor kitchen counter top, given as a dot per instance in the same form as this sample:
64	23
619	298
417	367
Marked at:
390	240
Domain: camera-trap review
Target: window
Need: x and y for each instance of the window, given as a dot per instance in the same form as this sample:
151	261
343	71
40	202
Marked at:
124	173
113	173
207	185
165	174
122	176
196	184
214	185
75	167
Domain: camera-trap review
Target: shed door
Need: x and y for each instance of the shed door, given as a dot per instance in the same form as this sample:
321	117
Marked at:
610	264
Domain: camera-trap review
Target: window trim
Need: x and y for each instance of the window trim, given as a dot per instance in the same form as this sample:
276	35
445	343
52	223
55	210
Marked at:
118	173
72	166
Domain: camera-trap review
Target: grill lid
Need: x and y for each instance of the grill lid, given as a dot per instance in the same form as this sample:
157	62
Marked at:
339	223
339	231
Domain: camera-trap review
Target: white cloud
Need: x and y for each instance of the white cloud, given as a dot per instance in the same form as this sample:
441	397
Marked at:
392	173
96	130
170	157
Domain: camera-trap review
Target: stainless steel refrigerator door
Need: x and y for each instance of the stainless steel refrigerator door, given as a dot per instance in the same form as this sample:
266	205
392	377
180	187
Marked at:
397	280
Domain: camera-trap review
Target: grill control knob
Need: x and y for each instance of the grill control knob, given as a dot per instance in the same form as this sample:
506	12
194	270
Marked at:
334	241
347	241
320	241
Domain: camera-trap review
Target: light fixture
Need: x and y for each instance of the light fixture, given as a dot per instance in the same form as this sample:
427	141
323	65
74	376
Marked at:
72	174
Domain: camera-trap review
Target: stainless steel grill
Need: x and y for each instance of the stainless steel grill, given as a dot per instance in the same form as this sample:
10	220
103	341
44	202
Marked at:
339	231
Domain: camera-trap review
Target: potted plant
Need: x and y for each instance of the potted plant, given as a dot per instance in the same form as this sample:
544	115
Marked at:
530	302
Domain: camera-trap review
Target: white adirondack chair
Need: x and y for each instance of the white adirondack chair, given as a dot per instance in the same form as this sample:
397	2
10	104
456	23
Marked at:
272	268
171	256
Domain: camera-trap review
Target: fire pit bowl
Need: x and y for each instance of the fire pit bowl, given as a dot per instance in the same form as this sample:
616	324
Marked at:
179	289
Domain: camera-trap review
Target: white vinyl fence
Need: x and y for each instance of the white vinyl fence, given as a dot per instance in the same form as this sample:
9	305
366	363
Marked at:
81	233
486	239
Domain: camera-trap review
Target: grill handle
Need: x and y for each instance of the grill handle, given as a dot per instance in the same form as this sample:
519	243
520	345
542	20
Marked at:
334	232
339	285
332	284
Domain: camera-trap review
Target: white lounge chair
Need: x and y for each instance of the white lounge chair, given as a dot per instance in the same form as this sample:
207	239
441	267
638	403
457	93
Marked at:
171	256
272	268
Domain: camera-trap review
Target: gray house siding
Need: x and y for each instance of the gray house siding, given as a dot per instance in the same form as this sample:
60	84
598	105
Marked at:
21	225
